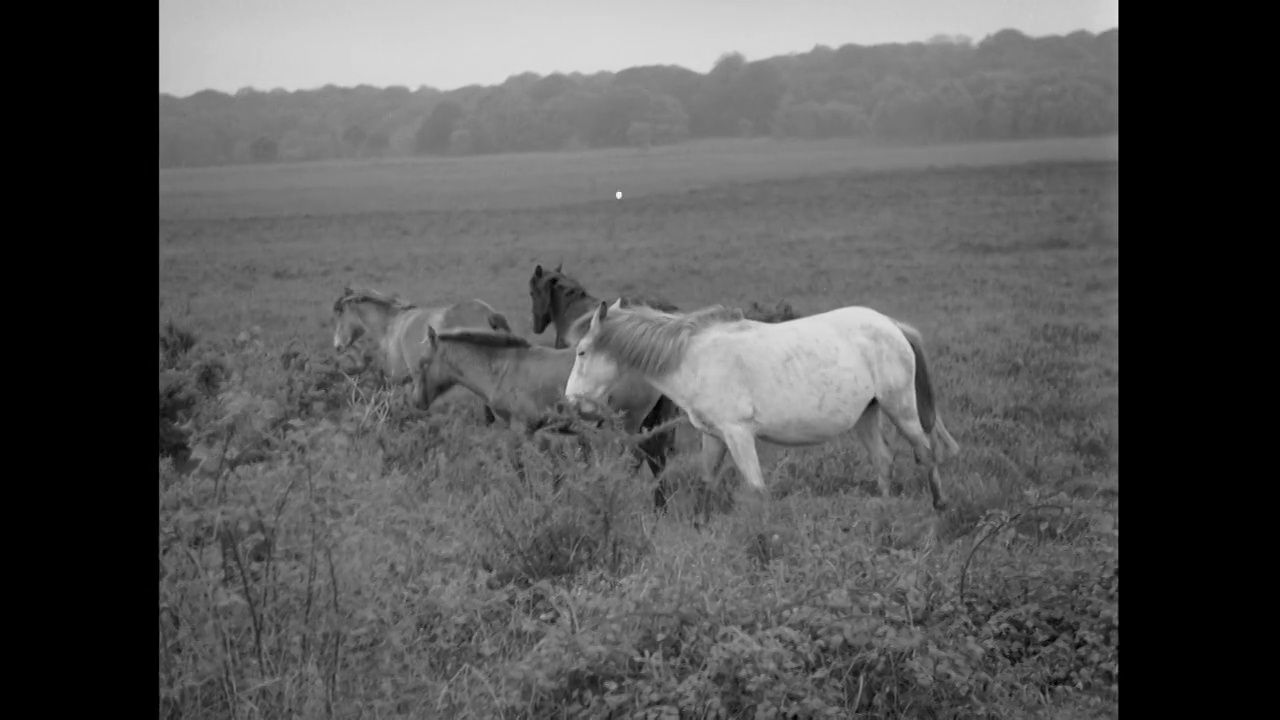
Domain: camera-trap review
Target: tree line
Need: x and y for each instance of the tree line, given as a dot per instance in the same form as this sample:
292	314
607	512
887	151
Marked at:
1007	86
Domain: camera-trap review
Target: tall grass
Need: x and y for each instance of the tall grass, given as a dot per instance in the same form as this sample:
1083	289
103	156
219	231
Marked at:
323	559
325	550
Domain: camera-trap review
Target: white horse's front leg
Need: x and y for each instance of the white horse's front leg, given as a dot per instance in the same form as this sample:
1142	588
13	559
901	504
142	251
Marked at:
713	451
742	446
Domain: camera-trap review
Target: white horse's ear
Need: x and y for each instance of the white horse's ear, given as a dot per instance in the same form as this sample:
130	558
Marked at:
617	304
537	272
430	338
599	316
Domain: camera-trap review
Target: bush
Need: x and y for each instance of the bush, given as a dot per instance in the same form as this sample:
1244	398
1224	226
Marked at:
781	312
352	554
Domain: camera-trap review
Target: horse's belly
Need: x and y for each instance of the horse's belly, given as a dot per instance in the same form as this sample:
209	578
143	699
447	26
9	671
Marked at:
810	416
807	431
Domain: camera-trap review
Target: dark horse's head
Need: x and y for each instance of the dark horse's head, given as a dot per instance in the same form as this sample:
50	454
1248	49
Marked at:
551	292
542	285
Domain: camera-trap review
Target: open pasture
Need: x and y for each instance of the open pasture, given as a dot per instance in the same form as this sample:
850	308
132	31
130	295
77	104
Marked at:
372	558
490	182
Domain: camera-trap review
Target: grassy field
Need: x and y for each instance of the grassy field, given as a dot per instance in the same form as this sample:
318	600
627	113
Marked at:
340	554
552	179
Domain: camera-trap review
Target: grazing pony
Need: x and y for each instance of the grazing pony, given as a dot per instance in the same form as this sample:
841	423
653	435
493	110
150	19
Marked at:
794	383
523	383
398	328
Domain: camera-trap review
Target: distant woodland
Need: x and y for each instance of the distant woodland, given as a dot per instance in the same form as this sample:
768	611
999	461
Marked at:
1007	86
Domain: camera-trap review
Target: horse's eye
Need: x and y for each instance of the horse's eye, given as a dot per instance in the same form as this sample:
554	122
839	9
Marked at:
582	353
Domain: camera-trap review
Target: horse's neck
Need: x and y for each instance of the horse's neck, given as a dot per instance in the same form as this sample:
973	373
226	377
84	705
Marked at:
375	322
678	386
574	310
394	323
474	369
635	397
528	381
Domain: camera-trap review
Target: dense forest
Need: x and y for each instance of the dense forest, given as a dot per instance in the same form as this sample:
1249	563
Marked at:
1007	86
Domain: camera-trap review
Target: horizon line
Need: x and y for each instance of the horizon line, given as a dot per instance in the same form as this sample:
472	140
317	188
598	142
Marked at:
424	86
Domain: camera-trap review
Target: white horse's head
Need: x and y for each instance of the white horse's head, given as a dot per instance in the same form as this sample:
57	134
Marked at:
594	373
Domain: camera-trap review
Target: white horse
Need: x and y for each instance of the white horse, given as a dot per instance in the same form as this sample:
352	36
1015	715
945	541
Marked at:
795	383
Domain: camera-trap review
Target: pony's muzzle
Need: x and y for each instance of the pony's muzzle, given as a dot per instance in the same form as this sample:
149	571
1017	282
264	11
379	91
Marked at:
588	408
578	402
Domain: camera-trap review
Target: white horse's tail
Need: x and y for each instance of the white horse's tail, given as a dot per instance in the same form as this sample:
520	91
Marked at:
926	405
940	431
924	388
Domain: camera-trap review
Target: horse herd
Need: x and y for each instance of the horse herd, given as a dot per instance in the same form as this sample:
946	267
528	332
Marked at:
795	382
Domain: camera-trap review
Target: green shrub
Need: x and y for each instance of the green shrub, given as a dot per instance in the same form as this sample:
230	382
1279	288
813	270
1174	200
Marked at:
339	553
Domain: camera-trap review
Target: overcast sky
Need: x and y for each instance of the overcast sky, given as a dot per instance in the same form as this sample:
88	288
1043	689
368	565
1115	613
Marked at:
298	44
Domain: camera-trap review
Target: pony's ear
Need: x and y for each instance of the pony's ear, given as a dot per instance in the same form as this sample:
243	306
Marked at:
559	268
537	272
431	338
599	316
617	304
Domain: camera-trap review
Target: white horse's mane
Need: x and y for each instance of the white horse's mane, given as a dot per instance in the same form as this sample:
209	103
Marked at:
653	342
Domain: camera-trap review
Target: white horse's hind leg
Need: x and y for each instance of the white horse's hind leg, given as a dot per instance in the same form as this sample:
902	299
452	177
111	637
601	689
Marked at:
902	412
870	431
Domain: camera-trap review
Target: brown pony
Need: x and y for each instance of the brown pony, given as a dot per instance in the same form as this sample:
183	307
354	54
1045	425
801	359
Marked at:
397	327
524	383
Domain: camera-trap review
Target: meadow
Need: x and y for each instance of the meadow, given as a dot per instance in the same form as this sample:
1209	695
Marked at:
327	551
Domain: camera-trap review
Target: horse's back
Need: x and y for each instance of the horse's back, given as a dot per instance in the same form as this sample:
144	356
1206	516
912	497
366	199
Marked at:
838	360
469	314
841	325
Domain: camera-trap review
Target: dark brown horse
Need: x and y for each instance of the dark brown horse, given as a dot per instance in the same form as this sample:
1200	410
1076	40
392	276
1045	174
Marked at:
560	300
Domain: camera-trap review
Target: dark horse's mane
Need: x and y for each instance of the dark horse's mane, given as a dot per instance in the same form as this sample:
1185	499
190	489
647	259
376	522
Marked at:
628	301
484	338
353	295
